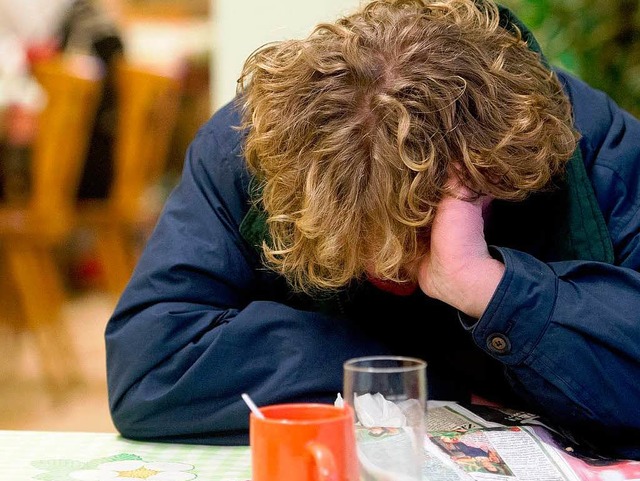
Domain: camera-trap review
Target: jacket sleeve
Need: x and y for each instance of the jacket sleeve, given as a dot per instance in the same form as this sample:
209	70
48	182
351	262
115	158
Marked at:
194	328
570	331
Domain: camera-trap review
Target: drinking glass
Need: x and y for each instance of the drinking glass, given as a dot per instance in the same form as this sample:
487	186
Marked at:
389	397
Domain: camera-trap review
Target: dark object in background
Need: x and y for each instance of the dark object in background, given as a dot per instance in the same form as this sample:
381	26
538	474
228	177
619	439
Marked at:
86	29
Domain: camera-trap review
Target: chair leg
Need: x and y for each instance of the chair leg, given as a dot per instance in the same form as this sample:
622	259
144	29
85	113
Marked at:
56	287
37	282
11	325
11	313
51	279
115	256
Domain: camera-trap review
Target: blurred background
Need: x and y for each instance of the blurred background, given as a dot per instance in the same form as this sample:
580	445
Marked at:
99	100
597	40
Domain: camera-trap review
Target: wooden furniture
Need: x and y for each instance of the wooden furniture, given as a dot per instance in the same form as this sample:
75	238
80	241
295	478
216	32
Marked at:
148	101
171	9
33	230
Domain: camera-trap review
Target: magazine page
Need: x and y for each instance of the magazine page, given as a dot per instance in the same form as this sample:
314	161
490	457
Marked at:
499	453
486	449
488	443
462	446
451	416
588	468
573	456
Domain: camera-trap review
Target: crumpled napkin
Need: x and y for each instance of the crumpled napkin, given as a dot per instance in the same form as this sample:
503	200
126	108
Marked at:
374	410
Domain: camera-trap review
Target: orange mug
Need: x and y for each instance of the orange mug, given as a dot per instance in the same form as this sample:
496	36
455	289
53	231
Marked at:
303	442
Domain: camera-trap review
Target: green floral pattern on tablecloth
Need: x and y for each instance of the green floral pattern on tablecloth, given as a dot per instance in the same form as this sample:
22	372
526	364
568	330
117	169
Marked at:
75	456
124	467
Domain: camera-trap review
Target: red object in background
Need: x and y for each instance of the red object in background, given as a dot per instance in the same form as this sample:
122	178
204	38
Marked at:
42	50
21	125
86	272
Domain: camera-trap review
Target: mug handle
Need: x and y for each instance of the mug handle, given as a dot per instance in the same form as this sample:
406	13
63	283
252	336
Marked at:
325	463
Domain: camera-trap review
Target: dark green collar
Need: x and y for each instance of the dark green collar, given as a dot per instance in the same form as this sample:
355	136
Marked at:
253	227
563	224
587	234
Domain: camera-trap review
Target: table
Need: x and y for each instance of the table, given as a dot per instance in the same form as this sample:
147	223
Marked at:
524	450
68	456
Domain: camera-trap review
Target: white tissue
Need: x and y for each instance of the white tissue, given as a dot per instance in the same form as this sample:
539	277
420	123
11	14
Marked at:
376	411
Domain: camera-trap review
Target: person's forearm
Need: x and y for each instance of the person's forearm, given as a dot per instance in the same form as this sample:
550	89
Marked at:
187	386
458	269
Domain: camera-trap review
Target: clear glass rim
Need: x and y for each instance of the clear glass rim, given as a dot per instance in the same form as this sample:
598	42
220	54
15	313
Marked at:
408	364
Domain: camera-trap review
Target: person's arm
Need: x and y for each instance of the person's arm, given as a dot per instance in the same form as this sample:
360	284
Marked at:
569	332
586	366
200	321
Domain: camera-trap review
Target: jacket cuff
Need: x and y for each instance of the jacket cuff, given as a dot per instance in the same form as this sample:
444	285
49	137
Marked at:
520	309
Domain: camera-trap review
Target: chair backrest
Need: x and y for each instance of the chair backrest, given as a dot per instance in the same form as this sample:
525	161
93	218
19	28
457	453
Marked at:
148	106
73	86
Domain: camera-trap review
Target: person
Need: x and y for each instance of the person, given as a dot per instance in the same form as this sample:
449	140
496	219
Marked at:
414	178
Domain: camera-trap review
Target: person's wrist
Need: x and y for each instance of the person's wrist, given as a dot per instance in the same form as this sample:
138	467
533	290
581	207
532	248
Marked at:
473	291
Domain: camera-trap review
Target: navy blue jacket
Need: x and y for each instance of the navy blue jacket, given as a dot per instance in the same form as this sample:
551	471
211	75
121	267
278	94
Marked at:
202	322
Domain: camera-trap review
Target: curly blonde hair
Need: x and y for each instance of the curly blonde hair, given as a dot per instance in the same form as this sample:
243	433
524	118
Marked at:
354	131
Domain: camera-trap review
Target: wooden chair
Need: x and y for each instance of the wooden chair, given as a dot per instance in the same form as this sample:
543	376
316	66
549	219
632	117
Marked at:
31	232
148	102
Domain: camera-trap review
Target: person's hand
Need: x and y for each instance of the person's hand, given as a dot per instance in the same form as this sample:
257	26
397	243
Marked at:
458	269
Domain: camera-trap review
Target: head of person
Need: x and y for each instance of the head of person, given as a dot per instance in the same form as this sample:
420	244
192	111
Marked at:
355	132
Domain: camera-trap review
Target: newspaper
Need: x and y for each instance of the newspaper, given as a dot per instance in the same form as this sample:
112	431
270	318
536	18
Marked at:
482	443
